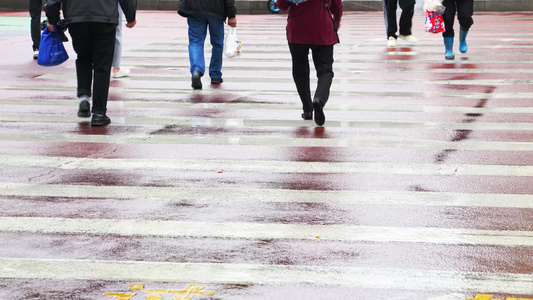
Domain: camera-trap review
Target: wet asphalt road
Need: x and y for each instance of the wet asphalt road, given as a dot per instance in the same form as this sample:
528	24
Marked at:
417	187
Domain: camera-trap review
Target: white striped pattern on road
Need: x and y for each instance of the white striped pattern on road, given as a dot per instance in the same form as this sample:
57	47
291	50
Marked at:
373	278
72	163
401	99
442	236
270	195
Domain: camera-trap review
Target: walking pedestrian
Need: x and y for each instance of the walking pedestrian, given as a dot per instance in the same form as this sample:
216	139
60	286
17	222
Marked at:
406	21
35	8
92	26
312	25
464	10
117	57
202	15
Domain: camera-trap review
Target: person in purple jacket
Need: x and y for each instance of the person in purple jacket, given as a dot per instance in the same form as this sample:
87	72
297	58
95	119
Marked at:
312	25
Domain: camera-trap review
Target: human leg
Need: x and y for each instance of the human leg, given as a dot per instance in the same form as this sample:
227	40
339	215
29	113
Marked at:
300	75
449	17
82	44
323	61
465	10
389	10
406	17
117	57
197	33
35	7
103	45
449	34
406	21
118	41
216	33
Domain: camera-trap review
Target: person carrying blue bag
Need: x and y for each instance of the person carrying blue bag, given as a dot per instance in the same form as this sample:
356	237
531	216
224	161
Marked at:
92	24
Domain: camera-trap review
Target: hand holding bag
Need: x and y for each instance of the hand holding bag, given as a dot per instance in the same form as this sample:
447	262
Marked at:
232	45
51	50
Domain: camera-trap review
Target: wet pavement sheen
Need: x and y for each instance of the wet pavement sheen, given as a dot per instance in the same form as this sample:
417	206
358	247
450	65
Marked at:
417	187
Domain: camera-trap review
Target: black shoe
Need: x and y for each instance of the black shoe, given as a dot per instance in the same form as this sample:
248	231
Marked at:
85	109
99	120
196	80
216	80
320	118
307	115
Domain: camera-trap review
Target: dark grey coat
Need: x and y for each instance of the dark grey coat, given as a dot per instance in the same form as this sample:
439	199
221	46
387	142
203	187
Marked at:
219	8
100	11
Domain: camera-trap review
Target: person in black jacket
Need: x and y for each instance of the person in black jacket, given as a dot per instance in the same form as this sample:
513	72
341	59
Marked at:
92	25
203	14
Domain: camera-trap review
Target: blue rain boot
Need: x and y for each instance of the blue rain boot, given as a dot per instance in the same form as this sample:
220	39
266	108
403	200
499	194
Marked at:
463	47
448	43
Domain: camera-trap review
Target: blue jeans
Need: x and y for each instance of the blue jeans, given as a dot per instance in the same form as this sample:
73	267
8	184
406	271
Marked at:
198	25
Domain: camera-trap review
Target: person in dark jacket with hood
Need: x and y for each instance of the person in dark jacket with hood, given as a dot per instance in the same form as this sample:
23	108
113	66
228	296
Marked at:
201	15
92	25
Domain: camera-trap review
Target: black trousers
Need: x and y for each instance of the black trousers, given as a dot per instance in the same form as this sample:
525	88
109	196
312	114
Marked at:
35	7
464	10
406	18
94	44
323	60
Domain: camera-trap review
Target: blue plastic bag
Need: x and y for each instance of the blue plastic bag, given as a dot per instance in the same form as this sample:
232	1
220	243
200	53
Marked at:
51	50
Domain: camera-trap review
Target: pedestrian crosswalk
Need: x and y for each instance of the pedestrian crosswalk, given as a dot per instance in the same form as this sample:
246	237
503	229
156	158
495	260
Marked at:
418	186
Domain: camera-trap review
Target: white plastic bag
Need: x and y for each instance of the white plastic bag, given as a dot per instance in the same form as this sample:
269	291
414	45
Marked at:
434	5
232	45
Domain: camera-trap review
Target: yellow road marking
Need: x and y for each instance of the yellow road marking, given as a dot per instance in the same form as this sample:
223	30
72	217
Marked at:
136	287
155	294
120	296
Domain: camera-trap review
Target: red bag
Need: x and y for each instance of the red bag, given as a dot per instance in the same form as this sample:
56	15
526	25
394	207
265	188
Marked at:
434	22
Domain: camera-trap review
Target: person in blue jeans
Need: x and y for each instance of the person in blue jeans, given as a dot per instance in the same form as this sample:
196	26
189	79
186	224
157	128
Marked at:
203	15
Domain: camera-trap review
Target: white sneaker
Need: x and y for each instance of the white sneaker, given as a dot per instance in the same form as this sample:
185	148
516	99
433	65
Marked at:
36	54
410	39
122	72
392	42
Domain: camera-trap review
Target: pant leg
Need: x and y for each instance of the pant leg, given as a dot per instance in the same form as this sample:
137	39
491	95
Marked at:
103	48
216	32
323	60
449	17
118	40
197	33
300	74
465	10
389	10
35	7
82	44
406	18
